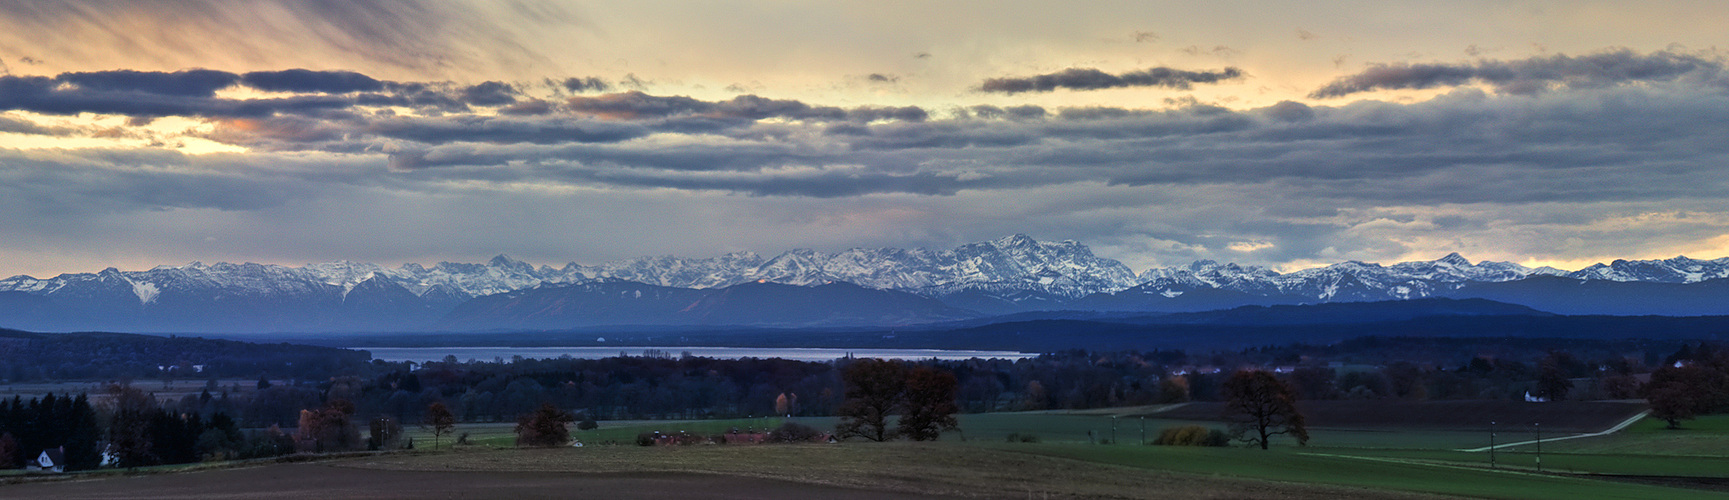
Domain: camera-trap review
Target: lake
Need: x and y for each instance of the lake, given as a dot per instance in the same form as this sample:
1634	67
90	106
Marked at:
424	354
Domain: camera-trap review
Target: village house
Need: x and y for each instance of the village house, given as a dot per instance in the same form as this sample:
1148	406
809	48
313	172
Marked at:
51	460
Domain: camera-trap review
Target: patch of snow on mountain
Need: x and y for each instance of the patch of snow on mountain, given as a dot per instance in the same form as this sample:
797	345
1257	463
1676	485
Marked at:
146	291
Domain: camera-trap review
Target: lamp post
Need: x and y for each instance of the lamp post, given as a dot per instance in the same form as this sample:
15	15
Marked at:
1539	426
1492	444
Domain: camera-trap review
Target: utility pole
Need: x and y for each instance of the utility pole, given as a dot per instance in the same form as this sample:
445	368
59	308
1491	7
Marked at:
1113	429
1492	444
1539	426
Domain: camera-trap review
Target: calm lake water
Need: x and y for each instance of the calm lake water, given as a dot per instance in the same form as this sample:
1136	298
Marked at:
424	354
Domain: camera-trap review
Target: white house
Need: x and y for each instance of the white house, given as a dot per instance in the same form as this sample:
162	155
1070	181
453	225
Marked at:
52	459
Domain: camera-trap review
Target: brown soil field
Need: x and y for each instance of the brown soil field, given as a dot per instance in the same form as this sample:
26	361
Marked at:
334	481
864	470
1561	416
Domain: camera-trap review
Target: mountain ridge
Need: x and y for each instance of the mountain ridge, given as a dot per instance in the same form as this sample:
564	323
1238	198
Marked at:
1004	276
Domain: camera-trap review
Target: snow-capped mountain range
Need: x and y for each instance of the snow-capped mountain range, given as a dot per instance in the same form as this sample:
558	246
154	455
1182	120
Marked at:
1011	274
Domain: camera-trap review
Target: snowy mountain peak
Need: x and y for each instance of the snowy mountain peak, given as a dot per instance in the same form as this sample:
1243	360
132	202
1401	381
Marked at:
1454	259
1015	269
1680	269
505	262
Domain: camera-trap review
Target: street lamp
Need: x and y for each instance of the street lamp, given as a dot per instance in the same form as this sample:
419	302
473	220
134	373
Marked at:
1539	426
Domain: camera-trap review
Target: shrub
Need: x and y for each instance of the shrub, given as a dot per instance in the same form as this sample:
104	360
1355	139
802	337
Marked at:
1217	438
1016	437
587	423
544	427
646	438
1191	435
793	432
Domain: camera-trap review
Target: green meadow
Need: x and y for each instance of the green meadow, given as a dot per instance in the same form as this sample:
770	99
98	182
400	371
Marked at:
1643	461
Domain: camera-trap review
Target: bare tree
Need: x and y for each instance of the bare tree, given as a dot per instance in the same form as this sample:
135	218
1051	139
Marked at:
1261	406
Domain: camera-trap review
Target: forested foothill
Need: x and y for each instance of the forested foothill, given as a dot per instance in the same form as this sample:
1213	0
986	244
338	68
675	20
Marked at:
313	399
29	356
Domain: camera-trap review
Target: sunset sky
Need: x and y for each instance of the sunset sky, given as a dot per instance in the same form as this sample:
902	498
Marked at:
1288	134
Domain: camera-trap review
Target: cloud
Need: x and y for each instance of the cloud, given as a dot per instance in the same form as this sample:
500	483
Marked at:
145	94
1531	75
192	93
78	183
1291	111
1017	112
427	38
528	107
301	80
1362	154
636	105
188	83
499	130
490	94
1297	182
1093	79
27	127
630	81
588	84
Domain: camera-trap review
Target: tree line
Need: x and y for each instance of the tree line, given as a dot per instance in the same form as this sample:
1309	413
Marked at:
365	406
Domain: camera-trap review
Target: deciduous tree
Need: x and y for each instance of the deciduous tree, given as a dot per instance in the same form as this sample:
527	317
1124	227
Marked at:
129	424
873	390
1552	375
1678	393
331	428
928	407
8	451
1260	406
441	420
544	427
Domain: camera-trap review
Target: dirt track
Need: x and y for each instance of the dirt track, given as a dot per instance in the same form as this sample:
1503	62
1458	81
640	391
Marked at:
326	481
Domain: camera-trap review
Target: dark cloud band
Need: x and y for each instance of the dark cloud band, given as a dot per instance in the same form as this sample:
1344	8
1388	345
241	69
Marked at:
1093	79
301	80
1531	75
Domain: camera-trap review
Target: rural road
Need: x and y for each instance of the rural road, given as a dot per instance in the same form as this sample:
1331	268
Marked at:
1611	430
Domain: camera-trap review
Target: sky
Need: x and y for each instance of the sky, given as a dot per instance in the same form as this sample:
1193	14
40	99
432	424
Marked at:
1284	134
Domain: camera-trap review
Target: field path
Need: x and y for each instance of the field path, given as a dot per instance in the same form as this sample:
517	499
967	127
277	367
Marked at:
1611	430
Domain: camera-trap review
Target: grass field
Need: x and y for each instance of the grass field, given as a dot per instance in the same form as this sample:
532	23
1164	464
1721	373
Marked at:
1070	459
944	468
1707	436
1381	458
1364	470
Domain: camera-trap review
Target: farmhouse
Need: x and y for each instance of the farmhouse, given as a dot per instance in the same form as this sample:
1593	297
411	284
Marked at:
51	460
